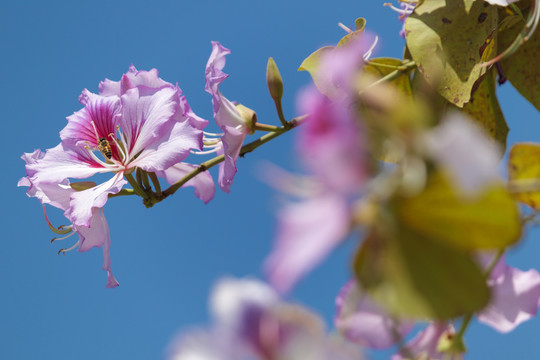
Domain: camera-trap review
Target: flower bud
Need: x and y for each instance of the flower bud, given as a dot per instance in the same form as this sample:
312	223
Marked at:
249	116
273	79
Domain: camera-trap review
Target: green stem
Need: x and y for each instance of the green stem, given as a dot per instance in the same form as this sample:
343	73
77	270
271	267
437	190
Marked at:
135	186
146	183
123	192
155	181
279	110
268	128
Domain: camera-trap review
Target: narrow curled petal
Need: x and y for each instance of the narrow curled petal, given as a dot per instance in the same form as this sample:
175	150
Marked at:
214	74
466	151
84	202
424	345
226	115
307	232
232	144
172	149
97	235
515	298
361	321
330	141
203	182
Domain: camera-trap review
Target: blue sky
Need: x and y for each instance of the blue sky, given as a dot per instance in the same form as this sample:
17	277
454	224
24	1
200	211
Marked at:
167	258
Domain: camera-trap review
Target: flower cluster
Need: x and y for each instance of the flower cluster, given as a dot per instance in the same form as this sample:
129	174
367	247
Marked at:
140	124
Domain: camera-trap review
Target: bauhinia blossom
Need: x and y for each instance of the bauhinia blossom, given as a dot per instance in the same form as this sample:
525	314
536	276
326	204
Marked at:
235	128
252	322
139	122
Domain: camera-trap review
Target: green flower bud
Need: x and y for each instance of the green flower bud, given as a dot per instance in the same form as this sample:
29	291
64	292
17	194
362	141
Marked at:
273	79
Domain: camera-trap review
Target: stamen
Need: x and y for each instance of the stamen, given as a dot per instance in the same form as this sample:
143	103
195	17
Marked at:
205	152
367	55
347	30
122	153
213	134
60	230
124	141
64	251
62	238
212	144
111	167
95	131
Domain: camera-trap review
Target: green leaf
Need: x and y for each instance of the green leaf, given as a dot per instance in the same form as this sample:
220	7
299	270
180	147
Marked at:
447	39
488	221
311	65
360	24
402	82
523	164
484	108
521	68
415	277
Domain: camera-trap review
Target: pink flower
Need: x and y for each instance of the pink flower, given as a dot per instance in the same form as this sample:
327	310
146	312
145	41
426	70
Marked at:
227	117
58	195
515	297
139	122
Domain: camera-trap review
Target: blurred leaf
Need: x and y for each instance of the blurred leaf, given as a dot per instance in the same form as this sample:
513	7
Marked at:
488	221
522	68
447	39
402	82
484	108
524	163
413	276
360	24
311	65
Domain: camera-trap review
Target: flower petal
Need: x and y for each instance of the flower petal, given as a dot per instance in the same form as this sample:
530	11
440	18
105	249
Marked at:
203	182
226	116
515	299
330	142
307	232
146	119
97	235
172	149
84	202
102	111
62	162
361	321
464	149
